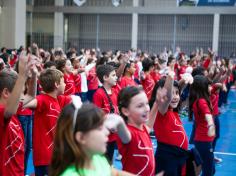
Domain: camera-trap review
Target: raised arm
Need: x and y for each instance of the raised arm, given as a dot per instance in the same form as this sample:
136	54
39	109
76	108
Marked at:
166	92
13	101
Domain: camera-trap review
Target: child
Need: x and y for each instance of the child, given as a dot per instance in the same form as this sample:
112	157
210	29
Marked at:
106	98
25	117
66	68
200	106
172	140
47	108
92	79
146	79
80	141
137	152
12	137
127	79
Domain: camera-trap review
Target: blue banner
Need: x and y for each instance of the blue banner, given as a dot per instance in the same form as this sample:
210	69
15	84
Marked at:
206	2
216	3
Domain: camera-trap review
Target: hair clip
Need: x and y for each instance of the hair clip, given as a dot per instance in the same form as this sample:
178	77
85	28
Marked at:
76	101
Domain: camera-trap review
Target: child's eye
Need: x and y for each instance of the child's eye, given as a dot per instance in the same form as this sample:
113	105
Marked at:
140	106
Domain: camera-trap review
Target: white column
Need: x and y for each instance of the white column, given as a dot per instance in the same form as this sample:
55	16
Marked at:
134	39
13	17
20	23
58	26
216	29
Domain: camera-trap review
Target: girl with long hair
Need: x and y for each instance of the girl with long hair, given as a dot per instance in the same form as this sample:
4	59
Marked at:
200	106
80	142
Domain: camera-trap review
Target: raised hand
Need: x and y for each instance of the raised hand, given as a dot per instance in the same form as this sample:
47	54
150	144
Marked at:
161	95
187	77
25	64
113	121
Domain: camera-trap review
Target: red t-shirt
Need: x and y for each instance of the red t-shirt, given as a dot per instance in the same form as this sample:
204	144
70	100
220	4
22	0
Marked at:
23	111
169	129
70	88
206	63
200	111
100	100
92	79
126	81
156	76
11	146
148	85
13	61
138	154
214	98
77	80
182	70
44	124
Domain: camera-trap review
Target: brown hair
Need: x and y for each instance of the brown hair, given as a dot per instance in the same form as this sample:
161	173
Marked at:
125	96
7	80
60	64
67	151
48	78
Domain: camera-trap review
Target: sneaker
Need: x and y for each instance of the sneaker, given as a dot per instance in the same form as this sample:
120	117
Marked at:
218	160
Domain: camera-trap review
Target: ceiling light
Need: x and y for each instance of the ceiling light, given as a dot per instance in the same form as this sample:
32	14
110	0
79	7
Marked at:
79	2
116	3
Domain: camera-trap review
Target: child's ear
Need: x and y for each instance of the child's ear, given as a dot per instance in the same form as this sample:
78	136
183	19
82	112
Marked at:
56	85
125	111
5	93
105	77
79	137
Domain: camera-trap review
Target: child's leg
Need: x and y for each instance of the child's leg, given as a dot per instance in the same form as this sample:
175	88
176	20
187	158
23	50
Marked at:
191	140
23	121
206	152
171	165
217	125
28	141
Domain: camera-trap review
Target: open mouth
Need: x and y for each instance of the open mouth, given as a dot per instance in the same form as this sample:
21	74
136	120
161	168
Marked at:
145	117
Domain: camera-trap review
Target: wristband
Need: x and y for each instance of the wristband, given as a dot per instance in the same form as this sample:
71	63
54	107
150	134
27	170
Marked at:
210	125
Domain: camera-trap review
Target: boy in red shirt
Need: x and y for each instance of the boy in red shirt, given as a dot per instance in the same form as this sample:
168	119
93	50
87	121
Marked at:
146	79
12	138
106	98
47	108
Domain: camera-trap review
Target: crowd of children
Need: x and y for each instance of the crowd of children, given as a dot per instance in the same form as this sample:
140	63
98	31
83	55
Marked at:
73	110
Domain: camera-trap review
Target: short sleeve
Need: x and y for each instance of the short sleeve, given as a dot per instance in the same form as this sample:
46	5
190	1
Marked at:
97	99
64	100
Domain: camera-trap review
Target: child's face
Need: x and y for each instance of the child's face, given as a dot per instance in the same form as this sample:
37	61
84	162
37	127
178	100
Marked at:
68	66
61	87
175	99
95	141
112	78
172	63
138	110
132	68
76	64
